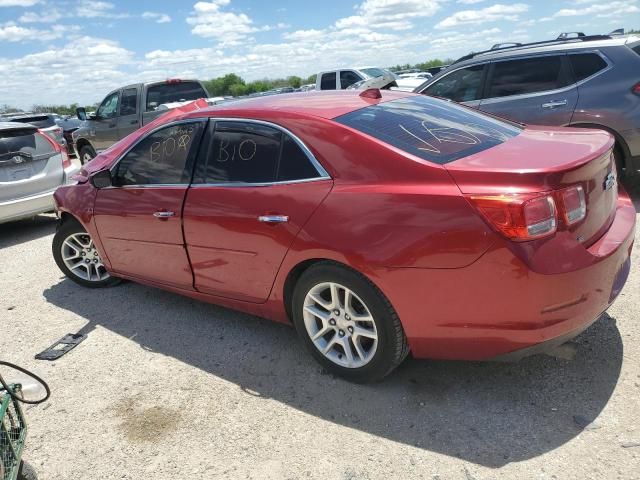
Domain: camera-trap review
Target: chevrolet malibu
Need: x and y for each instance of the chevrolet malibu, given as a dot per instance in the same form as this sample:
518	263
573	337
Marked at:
378	223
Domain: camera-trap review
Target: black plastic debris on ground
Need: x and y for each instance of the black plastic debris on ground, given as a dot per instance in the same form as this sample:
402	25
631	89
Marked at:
62	346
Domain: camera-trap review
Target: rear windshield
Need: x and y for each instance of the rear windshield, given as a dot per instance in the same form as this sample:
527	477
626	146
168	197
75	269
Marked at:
40	121
29	145
430	128
173	92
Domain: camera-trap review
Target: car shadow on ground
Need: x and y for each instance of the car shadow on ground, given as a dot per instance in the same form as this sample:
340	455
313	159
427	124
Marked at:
487	413
22	231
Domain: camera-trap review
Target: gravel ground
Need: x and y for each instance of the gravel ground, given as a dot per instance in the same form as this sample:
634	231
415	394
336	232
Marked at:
166	387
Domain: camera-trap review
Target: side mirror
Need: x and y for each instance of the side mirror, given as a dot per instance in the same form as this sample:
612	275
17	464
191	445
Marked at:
101	179
81	113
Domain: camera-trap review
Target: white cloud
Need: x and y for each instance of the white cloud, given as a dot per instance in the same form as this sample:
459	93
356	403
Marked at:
611	9
470	2
157	17
97	9
18	3
47	16
10	32
389	14
488	14
210	21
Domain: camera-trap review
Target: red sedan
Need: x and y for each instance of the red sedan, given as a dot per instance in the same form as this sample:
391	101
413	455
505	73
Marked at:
379	224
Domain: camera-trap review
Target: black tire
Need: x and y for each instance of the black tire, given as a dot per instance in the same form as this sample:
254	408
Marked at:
392	346
68	228
26	472
86	153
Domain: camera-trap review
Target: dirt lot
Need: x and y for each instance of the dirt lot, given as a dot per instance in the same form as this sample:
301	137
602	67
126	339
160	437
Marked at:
166	387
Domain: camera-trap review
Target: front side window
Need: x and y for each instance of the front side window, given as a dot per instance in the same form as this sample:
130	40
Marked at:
348	77
429	128
129	103
109	107
160	158
328	81
460	86
529	75
243	152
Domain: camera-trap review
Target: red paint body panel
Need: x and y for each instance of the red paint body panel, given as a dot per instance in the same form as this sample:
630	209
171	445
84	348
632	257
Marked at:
138	243
462	291
232	253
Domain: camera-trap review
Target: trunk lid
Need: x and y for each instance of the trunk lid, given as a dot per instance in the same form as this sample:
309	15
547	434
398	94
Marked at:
543	159
29	164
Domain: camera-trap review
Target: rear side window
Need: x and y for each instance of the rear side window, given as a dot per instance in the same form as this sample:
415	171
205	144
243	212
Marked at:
243	152
586	64
328	81
348	78
460	86
129	102
173	92
160	158
529	75
430	128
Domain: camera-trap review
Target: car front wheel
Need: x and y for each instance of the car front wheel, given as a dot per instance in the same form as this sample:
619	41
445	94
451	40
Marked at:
347	323
75	254
87	153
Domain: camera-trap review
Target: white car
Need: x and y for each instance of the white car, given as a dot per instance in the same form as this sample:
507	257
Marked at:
408	84
422	75
361	78
32	166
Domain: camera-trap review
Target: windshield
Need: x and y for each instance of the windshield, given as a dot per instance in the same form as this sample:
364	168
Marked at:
173	92
374	72
430	128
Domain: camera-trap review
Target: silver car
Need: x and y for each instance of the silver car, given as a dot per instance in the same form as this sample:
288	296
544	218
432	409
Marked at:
32	166
575	80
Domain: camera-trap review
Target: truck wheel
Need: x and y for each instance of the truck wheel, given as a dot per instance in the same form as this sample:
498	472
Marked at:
87	153
26	472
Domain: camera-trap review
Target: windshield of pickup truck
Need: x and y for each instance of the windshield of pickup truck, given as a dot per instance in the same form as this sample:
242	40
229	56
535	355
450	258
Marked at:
173	92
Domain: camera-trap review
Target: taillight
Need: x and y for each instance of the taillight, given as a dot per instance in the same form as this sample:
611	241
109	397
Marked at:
636	88
66	161
519	217
572	204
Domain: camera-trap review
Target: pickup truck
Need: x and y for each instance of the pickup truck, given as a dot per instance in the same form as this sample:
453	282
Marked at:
126	109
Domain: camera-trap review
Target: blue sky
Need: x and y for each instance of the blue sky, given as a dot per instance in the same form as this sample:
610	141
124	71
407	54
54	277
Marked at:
62	51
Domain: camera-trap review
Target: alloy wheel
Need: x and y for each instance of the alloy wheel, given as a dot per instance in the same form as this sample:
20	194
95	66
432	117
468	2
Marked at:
340	325
82	259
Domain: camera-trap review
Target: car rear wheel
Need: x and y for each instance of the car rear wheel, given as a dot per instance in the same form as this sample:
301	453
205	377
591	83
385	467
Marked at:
87	153
75	254
347	323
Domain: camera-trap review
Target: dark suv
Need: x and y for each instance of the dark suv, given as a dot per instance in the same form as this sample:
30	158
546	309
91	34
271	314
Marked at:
582	81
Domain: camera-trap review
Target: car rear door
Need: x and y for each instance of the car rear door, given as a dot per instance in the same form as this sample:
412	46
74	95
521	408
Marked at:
254	188
538	90
29	162
128	121
139	218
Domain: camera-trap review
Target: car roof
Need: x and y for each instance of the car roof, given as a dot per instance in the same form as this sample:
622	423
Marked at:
324	104
8	126
550	46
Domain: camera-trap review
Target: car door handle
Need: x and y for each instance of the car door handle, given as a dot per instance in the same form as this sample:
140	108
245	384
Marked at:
163	214
273	218
554	104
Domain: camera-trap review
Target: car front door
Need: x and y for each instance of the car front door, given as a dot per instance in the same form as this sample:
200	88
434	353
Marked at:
128	120
535	90
139	218
254	188
463	85
104	128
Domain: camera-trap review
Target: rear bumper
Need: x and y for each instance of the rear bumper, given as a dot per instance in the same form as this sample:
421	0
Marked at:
25	207
498	305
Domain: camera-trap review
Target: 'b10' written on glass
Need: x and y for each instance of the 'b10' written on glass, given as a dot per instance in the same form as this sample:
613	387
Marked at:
230	151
